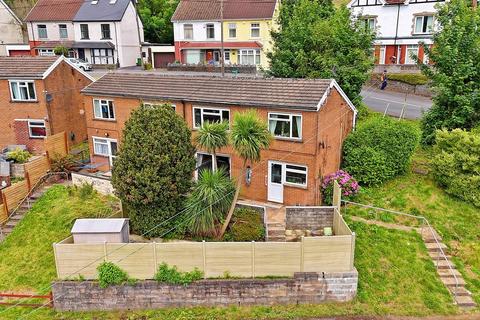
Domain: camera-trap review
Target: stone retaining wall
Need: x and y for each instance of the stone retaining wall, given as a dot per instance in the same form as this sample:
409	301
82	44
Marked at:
305	287
309	218
102	185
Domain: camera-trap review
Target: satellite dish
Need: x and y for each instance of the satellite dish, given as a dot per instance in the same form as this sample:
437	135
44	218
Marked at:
48	97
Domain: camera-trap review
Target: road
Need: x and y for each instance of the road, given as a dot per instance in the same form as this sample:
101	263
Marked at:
413	106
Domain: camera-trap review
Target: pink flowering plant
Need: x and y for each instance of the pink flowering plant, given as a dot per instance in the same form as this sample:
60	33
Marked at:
346	182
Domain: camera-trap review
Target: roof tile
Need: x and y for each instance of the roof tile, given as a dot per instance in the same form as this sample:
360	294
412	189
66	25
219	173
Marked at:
54	10
25	67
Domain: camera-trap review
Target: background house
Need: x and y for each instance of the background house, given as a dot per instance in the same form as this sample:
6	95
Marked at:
40	96
309	119
246	25
400	26
13	40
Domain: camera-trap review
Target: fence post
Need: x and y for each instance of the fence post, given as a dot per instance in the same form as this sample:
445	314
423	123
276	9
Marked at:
352	253
4	199
155	267
56	258
65	139
253	259
27	179
337	195
302	262
204	260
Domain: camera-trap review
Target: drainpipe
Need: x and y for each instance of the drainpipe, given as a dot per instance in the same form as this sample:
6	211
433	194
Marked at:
116	43
33	35
396	34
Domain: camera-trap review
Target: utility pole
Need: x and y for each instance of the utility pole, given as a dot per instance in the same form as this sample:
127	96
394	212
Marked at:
222	51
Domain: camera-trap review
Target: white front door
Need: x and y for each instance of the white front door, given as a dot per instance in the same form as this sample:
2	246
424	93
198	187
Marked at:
275	179
382	55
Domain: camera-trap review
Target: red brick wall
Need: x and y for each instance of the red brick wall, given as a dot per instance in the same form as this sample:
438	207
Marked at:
22	136
329	128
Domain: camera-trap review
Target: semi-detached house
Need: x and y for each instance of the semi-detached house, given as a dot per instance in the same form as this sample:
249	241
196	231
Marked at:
102	32
247	26
308	118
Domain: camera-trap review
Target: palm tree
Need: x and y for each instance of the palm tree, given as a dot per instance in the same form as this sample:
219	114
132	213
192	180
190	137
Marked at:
249	136
211	137
210	199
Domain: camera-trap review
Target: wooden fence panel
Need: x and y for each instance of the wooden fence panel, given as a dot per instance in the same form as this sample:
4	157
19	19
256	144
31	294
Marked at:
277	258
185	255
73	260
340	227
137	259
36	169
232	257
14	194
3	213
327	254
57	144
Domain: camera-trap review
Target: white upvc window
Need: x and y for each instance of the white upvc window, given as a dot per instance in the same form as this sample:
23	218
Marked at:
210	31
205	162
42	31
423	24
285	125
103	109
255	30
105	147
63	31
22	90
188	31
46	52
232	30
368	23
37	129
296	175
202	115
249	57
411	51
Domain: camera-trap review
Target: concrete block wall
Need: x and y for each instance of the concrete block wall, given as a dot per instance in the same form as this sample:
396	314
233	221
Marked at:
309	218
305	287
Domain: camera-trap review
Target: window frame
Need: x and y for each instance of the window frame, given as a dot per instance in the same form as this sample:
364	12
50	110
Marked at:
211	166
44	29
108	142
107	102
27	82
291	115
232	27
210	26
407	56
294	184
82	35
367	24
46	52
62	27
256	56
221	110
190	26
423	21
102	31
30	124
256	28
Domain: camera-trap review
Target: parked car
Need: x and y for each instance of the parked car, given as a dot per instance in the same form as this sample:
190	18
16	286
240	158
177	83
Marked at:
85	66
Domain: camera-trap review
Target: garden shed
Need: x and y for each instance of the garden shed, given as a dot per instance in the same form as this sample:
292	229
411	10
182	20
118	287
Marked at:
101	230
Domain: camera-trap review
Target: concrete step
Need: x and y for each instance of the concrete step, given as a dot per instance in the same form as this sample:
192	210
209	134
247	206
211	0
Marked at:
465	302
276	232
433	246
442	264
17	216
11	223
427	236
7	230
276	239
272	225
460	291
450	281
447	273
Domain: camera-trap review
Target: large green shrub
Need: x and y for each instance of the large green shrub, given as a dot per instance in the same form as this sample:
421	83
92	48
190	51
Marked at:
456	163
173	276
246	225
380	149
109	274
19	156
153	169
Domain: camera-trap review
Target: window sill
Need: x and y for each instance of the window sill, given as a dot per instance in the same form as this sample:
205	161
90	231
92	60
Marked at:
292	185
106	120
84	38
106	39
24	101
101	155
36	137
288	139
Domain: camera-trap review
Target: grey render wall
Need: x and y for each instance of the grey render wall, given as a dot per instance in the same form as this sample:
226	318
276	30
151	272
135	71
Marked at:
305	287
309	218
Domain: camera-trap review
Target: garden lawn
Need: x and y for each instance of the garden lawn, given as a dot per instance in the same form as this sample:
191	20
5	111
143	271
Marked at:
396	277
457	221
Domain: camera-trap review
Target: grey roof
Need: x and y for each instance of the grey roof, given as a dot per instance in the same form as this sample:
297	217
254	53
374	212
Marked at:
102	11
98	225
26	67
299	94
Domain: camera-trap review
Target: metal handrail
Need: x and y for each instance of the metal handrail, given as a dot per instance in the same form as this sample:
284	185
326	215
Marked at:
27	197
425	221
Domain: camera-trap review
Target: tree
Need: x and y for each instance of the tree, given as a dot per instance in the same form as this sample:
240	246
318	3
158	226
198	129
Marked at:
153	169
249	136
211	137
455	72
60	51
316	40
209	200
156	17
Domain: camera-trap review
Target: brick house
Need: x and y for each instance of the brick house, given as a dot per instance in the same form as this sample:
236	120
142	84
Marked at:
308	118
40	96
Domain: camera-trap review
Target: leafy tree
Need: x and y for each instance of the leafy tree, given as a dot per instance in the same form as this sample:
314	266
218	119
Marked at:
317	40
249	136
209	200
455	72
156	17
153	169
60	51
211	137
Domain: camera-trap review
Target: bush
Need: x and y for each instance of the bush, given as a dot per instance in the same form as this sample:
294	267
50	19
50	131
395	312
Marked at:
62	164
86	191
153	169
19	156
60	51
246	225
409	78
109	274
173	276
456	163
380	149
348	185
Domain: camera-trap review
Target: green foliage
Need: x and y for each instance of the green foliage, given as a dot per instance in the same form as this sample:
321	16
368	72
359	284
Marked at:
380	149
208	202
148	66
173	276
409	78
153	168
156	17
109	274
19	156
61	51
246	225
60	163
86	191
455	74
211	137
317	40
364	112
456	164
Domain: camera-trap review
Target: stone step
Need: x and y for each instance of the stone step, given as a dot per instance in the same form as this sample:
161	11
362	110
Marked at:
11	223
271	225
433	246
17	216
428	237
280	233
442	264
276	239
438	255
447	273
465	302
460	291
450	281
7	230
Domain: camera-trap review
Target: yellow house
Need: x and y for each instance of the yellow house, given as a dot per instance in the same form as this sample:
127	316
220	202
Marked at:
247	26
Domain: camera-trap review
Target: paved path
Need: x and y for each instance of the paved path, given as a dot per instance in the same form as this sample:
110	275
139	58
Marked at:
379	100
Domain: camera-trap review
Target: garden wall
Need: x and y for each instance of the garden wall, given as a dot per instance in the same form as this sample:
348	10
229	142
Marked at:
101	184
309	218
303	288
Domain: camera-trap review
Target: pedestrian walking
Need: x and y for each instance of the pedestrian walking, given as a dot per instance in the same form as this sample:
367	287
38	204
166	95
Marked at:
383	78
